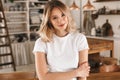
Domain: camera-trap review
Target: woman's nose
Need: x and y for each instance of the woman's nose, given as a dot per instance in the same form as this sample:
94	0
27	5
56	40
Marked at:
60	20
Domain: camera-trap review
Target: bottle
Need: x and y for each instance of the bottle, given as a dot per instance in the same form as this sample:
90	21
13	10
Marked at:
107	29
103	10
93	31
98	31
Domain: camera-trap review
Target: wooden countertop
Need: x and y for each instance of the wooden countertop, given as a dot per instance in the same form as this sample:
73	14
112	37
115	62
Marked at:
104	76
104	38
97	45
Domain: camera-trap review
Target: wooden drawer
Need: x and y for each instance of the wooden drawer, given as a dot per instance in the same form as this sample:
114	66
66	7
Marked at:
98	45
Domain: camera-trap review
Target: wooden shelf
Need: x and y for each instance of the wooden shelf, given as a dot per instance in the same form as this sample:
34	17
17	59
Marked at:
40	1
35	24
1	18
2	27
19	19
110	14
19	1
15	12
23	32
106	0
36	8
22	22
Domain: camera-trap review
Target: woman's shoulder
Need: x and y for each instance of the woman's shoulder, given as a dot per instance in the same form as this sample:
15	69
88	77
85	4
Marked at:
39	40
77	34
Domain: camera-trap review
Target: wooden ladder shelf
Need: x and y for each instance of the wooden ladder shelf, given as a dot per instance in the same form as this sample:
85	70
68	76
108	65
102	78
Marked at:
5	41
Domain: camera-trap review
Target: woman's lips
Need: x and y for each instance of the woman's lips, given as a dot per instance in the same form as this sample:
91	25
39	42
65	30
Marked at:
62	25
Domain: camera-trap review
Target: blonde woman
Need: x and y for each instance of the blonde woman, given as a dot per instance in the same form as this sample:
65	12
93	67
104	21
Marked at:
61	53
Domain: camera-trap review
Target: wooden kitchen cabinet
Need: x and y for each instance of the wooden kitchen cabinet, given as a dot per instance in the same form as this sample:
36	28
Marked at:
99	45
104	76
105	46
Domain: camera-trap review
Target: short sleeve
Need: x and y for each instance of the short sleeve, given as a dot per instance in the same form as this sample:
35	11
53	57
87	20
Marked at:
82	43
39	46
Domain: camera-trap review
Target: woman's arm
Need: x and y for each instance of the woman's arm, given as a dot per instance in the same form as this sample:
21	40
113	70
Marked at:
83	60
42	70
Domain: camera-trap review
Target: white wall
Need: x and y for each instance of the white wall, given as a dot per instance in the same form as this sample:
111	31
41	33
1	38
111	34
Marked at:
75	13
113	19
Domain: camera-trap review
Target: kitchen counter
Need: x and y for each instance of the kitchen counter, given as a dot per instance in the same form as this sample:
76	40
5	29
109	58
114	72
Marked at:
105	38
111	45
104	76
98	45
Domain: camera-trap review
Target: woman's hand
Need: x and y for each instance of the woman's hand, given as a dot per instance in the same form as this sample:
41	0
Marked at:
83	70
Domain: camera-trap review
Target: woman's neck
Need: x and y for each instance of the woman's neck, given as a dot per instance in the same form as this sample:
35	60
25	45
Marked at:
61	34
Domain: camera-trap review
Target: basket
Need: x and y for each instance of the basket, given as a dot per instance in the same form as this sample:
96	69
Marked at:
109	68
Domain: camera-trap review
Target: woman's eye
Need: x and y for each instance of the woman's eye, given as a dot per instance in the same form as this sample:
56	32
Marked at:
54	17
63	14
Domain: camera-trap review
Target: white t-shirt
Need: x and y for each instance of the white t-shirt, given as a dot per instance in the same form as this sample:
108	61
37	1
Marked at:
63	52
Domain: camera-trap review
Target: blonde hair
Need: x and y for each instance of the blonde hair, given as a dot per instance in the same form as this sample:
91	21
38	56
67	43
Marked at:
46	29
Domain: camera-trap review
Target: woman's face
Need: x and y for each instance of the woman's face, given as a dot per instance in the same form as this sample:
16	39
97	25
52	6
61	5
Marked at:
58	19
